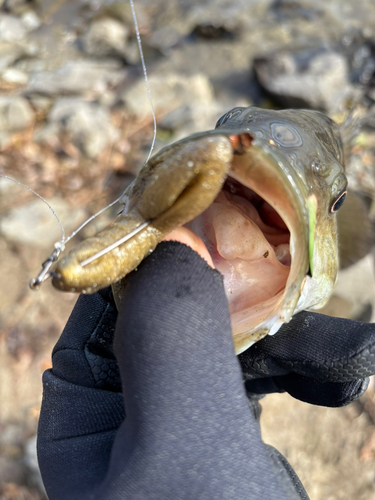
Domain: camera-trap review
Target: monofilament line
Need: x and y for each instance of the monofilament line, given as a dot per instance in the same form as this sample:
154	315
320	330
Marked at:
63	240
59	246
92	218
153	117
145	75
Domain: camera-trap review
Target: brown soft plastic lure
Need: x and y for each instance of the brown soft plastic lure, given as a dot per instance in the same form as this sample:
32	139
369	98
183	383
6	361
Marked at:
173	188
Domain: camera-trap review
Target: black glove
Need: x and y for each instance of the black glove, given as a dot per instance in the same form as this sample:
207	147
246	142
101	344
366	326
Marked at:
189	432
315	358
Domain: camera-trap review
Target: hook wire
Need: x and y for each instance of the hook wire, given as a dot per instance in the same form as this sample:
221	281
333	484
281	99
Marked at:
115	244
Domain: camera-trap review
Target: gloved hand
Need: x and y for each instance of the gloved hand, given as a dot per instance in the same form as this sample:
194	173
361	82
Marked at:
189	431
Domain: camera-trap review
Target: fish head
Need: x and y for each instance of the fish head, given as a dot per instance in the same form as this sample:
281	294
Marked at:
272	229
260	192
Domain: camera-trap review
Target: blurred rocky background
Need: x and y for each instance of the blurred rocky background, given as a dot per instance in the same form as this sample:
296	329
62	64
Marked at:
76	126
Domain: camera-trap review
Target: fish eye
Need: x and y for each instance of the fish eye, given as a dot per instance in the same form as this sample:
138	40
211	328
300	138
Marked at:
222	120
231	114
285	135
338	202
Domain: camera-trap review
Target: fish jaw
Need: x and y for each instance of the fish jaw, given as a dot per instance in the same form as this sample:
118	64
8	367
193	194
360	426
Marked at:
258	169
319	285
306	147
270	176
303	205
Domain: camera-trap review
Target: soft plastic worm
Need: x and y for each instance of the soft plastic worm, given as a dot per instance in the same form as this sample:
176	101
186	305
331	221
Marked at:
174	187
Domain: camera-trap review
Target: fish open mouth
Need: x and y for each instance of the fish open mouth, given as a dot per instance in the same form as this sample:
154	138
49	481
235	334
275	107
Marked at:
252	232
249	245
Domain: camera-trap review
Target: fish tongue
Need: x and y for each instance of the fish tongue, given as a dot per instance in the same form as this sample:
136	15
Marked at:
237	235
232	224
252	272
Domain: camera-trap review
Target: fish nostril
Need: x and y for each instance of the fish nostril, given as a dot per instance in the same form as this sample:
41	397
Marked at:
318	167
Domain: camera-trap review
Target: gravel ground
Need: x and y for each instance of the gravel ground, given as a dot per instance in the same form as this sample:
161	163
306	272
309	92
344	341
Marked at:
75	126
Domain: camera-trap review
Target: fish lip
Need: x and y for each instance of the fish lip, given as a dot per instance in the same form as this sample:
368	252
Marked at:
298	223
298	239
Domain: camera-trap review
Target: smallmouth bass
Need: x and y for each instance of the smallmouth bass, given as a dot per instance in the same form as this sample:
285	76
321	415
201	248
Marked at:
261	191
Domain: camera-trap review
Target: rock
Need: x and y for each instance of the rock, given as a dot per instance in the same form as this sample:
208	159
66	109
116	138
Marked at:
292	9
361	52
356	285
11	446
168	92
164	38
11	436
213	31
15	113
76	77
11	52
7	186
105	37
11	29
34	224
41	103
31	65
48	135
5	140
120	11
12	273
14	75
31	21
215	19
187	120
131	54
315	78
87	123
18	7
175	119
369	118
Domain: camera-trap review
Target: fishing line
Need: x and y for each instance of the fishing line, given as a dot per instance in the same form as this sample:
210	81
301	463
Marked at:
145	75
144	69
92	218
145	224
153	118
63	240
142	226
60	246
